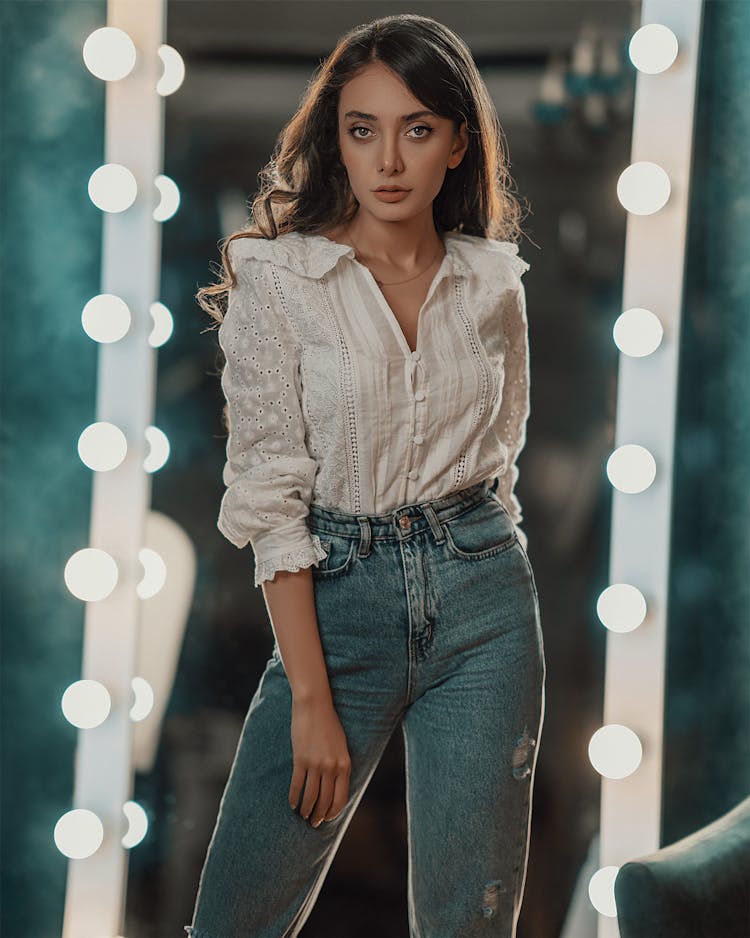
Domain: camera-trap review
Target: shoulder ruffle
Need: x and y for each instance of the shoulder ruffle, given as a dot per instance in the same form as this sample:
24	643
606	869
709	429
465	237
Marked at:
307	255
481	254
314	255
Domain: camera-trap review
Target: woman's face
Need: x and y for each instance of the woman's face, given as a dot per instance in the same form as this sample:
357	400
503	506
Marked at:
383	149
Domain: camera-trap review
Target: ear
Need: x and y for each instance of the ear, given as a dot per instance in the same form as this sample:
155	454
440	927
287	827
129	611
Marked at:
460	146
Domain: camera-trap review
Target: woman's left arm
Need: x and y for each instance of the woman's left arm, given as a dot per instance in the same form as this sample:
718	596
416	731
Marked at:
515	405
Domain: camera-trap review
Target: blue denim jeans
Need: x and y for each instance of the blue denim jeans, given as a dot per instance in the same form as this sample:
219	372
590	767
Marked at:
429	620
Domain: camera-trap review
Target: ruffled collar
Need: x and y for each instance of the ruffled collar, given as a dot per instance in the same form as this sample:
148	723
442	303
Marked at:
313	255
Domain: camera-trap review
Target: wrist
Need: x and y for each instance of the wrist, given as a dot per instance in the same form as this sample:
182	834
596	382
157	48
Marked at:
311	696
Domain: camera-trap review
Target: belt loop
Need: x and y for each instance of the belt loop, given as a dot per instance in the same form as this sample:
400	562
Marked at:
437	528
365	535
495	483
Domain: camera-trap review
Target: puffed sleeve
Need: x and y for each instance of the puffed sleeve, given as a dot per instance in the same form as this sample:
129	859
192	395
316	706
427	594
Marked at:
515	405
268	472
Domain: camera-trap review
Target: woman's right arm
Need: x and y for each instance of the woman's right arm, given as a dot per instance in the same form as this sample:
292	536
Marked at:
321	755
269	476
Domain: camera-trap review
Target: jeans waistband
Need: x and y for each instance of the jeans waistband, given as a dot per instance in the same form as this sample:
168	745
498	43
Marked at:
402	522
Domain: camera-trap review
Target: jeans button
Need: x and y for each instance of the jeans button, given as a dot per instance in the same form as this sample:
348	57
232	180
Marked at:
405	522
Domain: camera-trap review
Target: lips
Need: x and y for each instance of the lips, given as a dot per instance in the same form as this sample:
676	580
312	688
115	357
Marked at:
391	189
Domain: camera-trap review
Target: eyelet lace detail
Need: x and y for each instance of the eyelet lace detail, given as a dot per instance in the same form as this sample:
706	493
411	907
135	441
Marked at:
293	561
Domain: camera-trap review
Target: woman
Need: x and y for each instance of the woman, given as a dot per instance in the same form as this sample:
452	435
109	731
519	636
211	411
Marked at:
377	384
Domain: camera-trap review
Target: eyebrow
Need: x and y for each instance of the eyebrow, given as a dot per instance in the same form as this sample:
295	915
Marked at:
404	117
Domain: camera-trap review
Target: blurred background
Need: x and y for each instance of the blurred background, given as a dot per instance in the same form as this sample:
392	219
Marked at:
560	78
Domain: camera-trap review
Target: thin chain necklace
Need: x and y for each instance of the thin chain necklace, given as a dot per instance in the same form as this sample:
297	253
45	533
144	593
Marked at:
389	283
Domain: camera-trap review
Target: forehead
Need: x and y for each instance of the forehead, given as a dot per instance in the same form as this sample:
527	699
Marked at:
377	90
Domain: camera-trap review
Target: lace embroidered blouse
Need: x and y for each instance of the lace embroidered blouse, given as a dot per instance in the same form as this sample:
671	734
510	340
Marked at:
328	404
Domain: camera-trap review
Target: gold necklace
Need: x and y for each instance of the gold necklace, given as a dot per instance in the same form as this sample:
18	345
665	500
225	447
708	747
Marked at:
395	282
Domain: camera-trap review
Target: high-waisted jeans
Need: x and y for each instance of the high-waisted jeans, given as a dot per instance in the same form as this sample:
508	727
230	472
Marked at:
429	619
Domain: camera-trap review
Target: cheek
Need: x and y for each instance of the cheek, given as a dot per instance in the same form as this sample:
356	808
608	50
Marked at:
352	159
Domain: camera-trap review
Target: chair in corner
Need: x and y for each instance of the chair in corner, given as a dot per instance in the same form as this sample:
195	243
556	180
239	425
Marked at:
697	887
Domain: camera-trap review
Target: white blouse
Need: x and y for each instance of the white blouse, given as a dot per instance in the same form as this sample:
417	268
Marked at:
328	404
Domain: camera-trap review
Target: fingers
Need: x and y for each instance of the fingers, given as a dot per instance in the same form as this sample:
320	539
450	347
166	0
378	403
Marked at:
340	795
295	789
324	798
312	786
326	791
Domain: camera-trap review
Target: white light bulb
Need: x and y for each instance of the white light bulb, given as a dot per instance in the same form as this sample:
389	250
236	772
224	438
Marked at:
154	573
102	446
174	70
615	751
163	325
91	574
643	188
79	833
653	48
106	318
637	332
602	890
143	694
158	452
86	704
621	607
631	468
137	820
112	187
109	53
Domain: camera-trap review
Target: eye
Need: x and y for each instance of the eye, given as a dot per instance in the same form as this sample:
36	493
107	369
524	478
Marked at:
418	127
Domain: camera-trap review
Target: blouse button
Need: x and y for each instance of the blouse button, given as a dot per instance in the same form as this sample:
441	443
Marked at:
419	438
413	473
416	356
419	396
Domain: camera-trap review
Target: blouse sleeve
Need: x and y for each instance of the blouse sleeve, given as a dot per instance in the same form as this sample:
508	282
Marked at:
515	403
268	472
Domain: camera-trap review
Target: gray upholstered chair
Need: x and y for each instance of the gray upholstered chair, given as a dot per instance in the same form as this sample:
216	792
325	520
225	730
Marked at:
698	887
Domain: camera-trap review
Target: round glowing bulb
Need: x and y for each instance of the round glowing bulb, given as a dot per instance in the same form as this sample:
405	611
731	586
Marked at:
109	53
158	452
602	890
637	332
163	325
169	198
615	751
102	446
621	607
643	188
174	70
91	574
653	48
106	318
154	573
137	824
112	188
143	695
86	704
79	833
631	468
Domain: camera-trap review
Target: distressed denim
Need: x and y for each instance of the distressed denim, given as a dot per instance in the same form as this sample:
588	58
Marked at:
429	620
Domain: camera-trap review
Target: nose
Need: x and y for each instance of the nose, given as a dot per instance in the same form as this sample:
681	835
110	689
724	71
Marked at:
389	155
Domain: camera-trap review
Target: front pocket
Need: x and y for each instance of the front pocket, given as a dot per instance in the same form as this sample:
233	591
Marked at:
482	531
340	555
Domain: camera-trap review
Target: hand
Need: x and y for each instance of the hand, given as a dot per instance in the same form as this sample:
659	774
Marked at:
321	760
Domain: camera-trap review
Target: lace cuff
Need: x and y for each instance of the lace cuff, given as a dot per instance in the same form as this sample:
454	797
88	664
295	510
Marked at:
293	561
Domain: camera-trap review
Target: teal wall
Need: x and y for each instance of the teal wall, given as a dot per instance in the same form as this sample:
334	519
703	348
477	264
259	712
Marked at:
52	132
707	739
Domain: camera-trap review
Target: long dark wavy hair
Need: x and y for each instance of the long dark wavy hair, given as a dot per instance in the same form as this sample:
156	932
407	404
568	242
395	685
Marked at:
304	187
